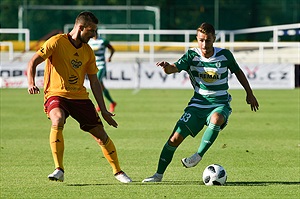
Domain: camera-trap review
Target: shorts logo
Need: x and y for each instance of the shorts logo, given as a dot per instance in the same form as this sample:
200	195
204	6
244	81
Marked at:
76	64
53	101
210	76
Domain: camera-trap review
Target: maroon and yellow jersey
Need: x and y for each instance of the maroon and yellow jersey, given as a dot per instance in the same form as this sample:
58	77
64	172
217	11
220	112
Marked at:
66	67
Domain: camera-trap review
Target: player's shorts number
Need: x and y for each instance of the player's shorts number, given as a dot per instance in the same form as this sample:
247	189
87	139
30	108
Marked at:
185	117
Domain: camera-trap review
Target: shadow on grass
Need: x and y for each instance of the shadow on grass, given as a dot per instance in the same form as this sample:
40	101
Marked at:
261	183
197	183
140	183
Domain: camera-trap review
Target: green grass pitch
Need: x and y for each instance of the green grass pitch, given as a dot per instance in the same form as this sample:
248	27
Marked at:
260	151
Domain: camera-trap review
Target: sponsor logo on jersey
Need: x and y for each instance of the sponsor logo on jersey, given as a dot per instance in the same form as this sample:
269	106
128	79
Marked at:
209	76
73	79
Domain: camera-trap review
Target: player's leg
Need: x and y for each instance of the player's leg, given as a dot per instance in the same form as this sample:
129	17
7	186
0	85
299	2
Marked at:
180	132
216	120
57	116
110	152
84	112
168	151
56	136
107	146
194	120
107	95
166	156
100	75
211	133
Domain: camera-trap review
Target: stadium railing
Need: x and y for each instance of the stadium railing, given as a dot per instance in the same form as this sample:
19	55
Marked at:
20	32
148	48
10	46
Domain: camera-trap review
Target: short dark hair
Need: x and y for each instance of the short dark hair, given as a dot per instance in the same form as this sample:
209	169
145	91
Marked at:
206	28
86	18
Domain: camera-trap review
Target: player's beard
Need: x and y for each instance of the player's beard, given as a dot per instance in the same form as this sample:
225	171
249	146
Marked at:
82	39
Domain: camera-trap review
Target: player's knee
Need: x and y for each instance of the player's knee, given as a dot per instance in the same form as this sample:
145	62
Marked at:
99	134
57	117
217	119
58	121
175	140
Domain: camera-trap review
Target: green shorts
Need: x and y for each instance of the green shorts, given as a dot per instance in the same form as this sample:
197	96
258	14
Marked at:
193	119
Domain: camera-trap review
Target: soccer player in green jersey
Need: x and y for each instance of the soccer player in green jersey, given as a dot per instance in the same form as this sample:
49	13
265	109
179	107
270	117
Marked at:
208	68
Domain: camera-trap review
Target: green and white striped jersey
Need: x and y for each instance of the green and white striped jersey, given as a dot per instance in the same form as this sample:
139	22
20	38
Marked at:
99	46
209	76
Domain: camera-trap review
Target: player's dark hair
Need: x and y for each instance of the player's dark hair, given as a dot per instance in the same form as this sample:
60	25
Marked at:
86	18
206	28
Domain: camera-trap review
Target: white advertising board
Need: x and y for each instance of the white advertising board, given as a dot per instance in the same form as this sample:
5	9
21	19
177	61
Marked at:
147	75
266	76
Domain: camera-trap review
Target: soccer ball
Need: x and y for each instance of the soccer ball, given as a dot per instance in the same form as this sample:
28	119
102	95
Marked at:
214	174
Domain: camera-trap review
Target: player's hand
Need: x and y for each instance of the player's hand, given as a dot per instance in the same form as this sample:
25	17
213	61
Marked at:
33	90
108	118
162	64
167	67
250	99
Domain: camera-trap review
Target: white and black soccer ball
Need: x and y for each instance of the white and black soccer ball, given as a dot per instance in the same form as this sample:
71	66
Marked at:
214	174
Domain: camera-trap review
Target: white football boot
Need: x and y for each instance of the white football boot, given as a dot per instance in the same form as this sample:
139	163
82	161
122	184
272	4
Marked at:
155	178
122	177
57	175
191	161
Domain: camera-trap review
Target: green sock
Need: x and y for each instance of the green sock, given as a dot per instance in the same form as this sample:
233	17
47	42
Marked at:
209	136
107	95
165	158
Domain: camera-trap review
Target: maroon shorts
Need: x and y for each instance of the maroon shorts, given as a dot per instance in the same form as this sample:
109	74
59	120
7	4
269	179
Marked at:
83	111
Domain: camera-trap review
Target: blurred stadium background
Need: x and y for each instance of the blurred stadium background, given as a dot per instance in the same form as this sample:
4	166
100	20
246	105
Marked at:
263	34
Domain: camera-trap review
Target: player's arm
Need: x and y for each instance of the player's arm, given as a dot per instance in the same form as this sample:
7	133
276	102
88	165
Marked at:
31	71
168	68
250	98
111	50
97	92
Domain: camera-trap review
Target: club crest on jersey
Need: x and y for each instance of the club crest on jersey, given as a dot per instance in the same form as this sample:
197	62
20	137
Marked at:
218	64
76	64
209	76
